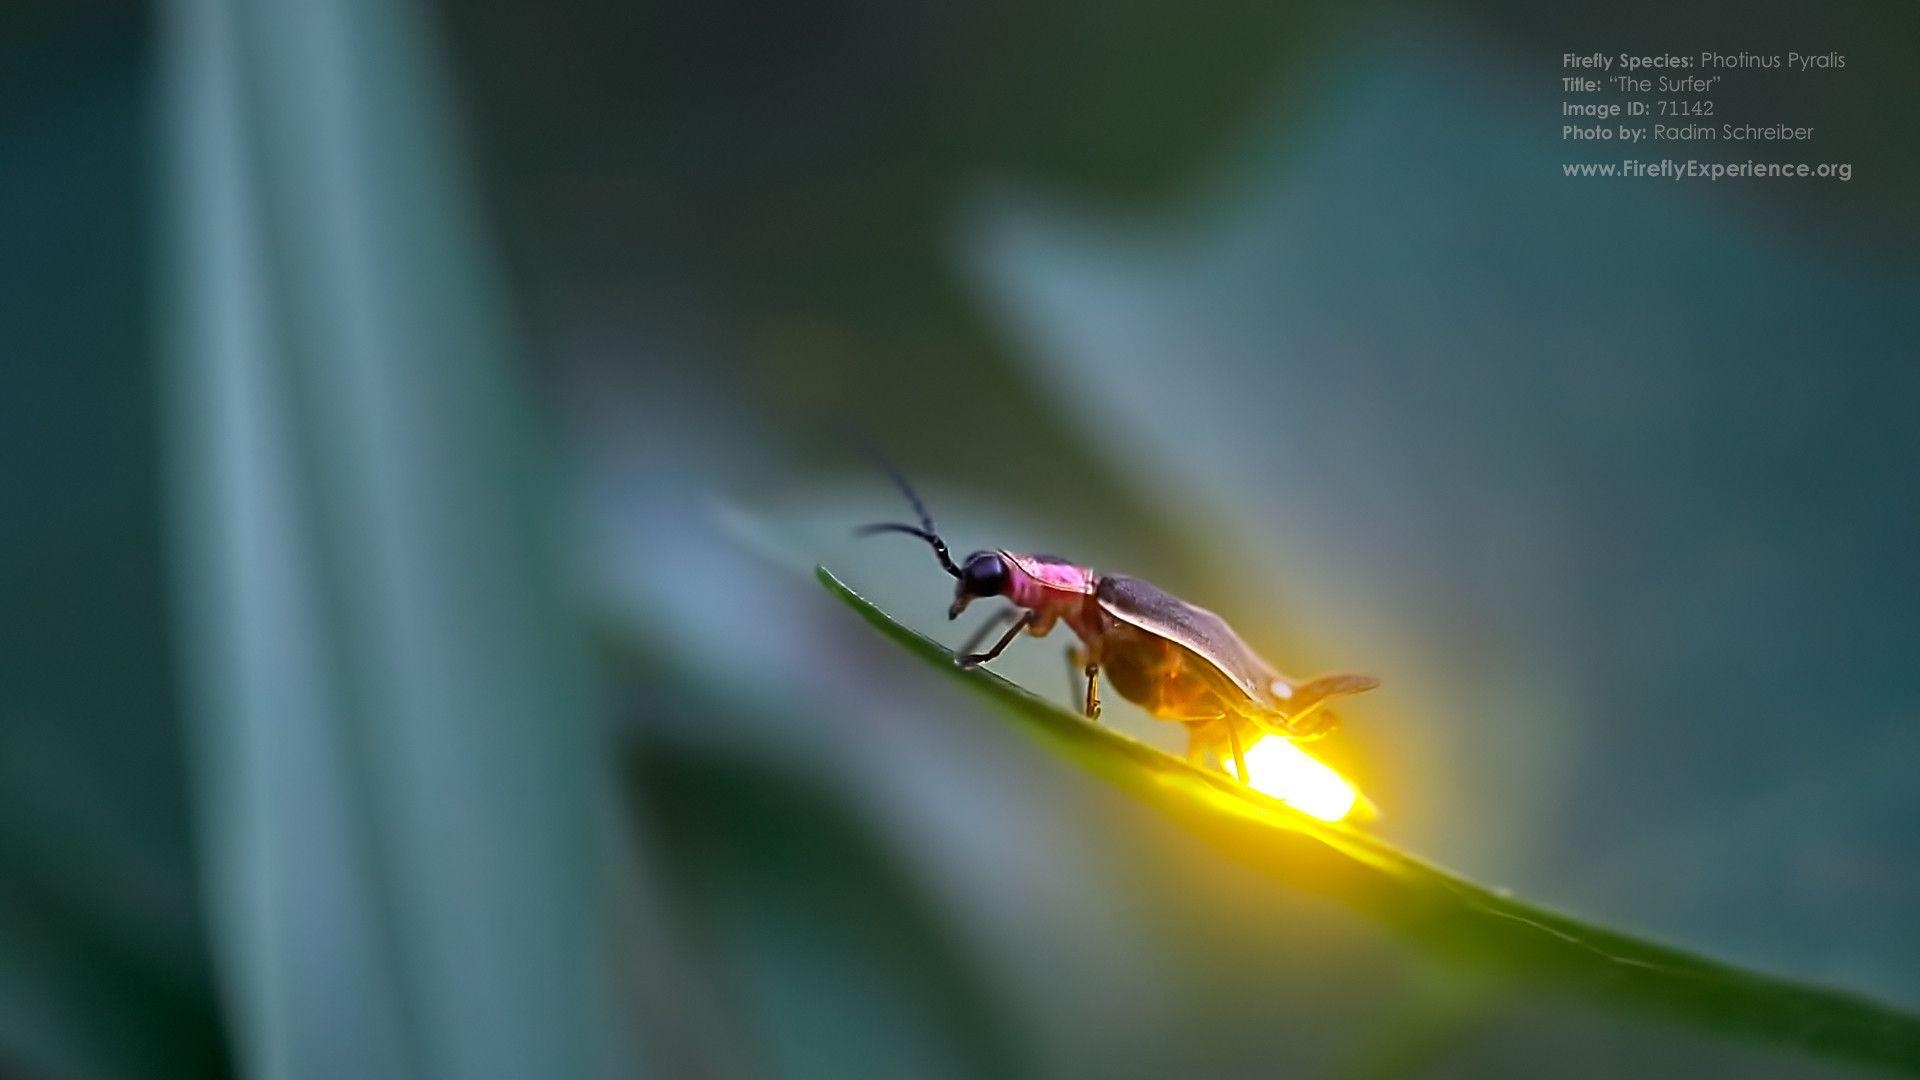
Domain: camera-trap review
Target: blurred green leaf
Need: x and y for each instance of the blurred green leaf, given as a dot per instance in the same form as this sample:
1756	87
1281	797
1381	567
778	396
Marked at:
104	972
403	803
826	954
1464	922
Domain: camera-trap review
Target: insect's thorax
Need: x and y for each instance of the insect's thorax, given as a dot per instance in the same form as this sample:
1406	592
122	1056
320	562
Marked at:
1055	589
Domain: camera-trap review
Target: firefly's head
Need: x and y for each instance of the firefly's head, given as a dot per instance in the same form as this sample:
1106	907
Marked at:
983	574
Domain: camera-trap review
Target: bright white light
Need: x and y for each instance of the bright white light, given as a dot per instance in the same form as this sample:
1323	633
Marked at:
1288	773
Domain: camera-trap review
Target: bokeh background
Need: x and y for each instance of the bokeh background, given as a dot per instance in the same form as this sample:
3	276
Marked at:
419	421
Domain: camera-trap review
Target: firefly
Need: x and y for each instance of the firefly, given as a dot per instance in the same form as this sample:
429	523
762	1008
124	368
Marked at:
1180	662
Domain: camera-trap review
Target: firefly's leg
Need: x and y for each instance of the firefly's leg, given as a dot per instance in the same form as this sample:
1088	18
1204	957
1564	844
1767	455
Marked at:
1239	757
1203	738
1198	743
1000	618
1075	661
975	659
1080	665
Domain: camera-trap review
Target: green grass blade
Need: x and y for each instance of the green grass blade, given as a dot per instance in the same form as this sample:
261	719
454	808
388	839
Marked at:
1463	922
398	765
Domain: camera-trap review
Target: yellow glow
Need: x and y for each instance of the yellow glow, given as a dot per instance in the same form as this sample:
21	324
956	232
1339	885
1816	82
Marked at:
1288	773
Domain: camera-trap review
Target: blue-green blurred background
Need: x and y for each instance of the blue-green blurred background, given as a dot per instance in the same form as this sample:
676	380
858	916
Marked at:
418	420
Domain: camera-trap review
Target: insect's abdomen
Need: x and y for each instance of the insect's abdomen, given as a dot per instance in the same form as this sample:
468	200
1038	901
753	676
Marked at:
1160	677
1203	637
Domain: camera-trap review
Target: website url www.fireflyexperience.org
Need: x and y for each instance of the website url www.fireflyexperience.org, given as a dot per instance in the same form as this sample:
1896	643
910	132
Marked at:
1669	169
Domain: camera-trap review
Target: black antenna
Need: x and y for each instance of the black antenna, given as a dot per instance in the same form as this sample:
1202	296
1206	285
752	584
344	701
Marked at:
925	531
